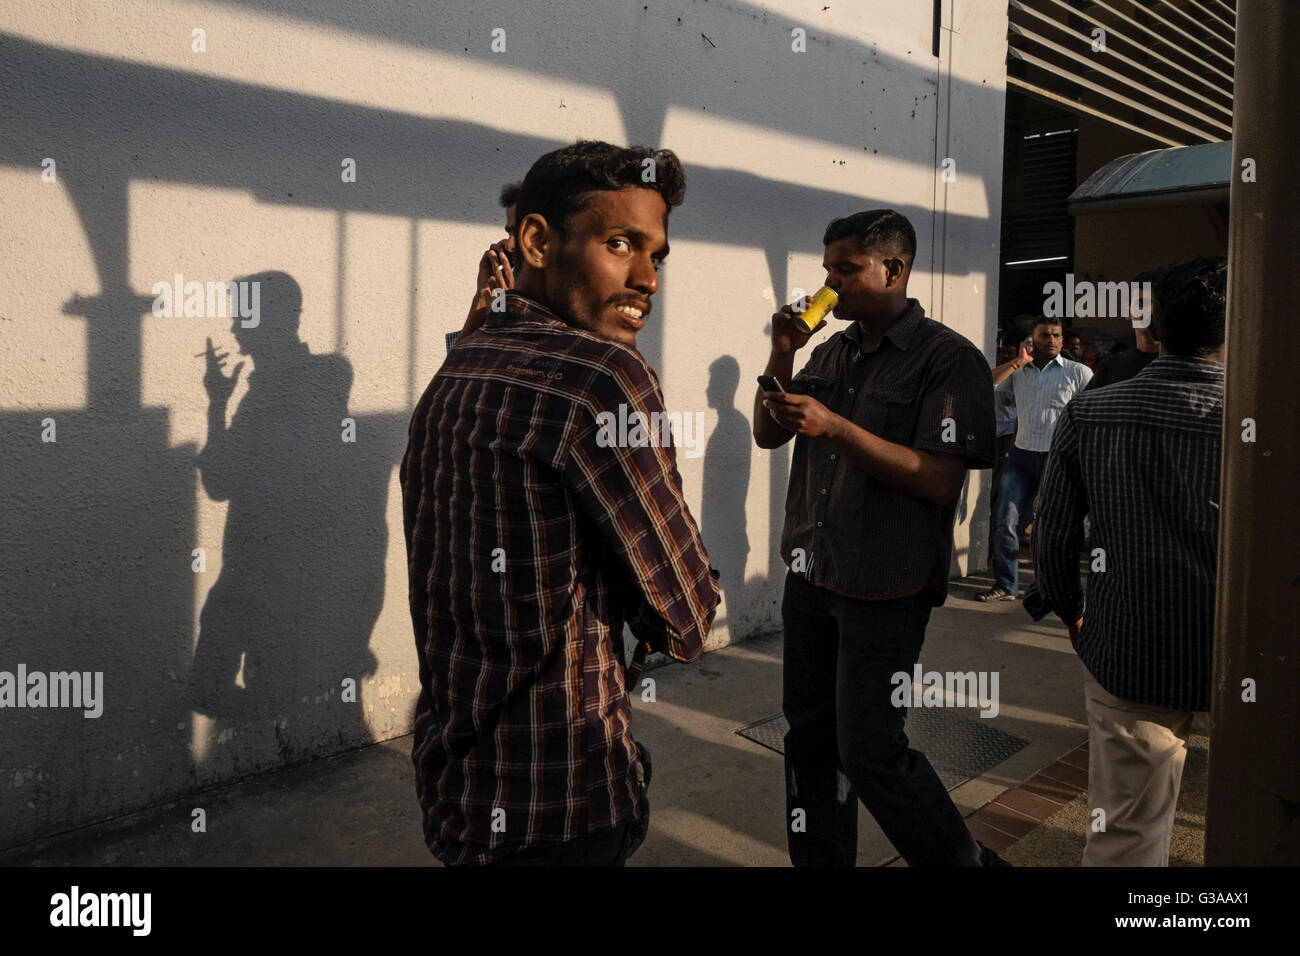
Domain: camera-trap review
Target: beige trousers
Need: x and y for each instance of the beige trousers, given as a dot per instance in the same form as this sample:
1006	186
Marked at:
1135	766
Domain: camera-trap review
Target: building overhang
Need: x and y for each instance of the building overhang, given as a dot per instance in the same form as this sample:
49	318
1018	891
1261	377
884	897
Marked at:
1178	176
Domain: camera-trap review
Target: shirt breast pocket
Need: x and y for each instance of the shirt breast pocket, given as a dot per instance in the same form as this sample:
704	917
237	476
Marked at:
893	412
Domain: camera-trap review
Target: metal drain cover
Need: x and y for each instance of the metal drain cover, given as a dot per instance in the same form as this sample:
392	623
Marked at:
958	748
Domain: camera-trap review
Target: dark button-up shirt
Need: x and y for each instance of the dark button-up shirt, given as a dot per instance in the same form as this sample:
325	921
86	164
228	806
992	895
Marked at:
1119	368
924	386
531	540
1142	459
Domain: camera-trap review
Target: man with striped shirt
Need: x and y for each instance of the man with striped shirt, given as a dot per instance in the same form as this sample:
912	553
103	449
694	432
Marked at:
532	537
1141	458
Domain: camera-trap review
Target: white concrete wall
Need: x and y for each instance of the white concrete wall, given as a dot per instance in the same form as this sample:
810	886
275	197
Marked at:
224	162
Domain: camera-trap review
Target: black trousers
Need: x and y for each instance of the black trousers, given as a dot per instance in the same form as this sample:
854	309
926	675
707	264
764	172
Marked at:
846	740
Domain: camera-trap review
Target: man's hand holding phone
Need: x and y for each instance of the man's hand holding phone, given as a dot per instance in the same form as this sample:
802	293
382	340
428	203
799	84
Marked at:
793	413
801	414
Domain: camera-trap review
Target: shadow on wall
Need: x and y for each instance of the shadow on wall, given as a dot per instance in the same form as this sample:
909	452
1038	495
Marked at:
288	622
100	524
726	491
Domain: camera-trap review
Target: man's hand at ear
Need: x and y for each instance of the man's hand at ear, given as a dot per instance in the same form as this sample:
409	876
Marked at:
494	272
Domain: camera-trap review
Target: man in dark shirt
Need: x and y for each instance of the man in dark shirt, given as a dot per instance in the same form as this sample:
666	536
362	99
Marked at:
1123	366
532	537
1142	459
889	414
1073	347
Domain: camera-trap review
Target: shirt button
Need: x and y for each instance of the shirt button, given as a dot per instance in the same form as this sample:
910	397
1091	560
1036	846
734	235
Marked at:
819	524
832	456
852	390
823	491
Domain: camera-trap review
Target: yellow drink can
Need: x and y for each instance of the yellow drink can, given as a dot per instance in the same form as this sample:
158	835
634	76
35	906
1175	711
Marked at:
823	300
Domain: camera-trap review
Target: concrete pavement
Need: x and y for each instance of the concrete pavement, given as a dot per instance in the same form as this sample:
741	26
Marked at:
718	797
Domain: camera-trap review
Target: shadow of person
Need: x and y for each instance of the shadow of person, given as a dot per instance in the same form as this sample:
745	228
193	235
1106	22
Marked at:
726	489
289	619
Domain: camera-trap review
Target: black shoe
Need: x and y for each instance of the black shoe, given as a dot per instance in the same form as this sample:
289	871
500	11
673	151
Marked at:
990	858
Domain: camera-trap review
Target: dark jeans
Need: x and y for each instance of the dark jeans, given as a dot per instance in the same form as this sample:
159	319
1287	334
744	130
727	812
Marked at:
598	848
846	739
1014	497
1004	445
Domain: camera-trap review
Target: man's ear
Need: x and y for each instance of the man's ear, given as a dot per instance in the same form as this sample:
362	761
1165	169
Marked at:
533	240
896	269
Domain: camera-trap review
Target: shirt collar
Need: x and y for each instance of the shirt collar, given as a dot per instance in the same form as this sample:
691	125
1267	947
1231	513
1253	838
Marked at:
1054	360
1184	367
520	307
900	333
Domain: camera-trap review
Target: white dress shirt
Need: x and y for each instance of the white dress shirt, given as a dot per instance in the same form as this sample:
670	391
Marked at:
1039	396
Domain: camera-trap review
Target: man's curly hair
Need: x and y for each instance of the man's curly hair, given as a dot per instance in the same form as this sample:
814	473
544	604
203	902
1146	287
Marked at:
563	182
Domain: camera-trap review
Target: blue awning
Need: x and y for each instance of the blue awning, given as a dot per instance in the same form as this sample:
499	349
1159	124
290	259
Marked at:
1176	176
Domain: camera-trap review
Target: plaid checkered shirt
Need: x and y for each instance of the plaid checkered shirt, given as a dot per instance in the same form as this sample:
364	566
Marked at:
531	539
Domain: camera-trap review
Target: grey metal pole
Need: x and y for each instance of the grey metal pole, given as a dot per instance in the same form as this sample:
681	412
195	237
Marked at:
1253	816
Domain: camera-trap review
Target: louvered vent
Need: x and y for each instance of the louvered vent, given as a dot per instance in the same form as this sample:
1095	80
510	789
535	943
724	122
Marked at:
1037	229
1165	71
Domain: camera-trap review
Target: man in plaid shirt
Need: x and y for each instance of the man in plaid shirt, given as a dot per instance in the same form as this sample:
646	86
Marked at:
1141	458
532	537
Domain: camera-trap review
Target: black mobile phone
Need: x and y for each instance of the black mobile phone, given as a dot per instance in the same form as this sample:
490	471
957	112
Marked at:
769	383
